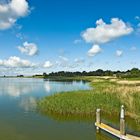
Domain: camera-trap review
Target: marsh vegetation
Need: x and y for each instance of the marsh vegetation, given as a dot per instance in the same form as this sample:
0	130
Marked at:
107	93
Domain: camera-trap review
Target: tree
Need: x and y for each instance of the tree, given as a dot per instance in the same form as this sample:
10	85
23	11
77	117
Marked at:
45	75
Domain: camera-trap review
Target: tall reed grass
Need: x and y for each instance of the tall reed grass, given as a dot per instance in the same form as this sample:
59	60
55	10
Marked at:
106	94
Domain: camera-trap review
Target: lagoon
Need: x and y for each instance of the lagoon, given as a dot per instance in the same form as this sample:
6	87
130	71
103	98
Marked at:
20	120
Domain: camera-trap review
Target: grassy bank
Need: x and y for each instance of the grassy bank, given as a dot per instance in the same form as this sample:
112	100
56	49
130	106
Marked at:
107	94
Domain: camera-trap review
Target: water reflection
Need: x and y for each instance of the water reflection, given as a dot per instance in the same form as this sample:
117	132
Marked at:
58	86
29	90
28	104
103	136
21	86
19	118
112	119
16	87
47	86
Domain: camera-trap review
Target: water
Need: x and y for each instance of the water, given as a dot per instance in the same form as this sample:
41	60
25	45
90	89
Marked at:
20	121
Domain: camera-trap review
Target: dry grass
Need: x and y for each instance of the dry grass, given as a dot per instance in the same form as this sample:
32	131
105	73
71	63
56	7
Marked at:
127	82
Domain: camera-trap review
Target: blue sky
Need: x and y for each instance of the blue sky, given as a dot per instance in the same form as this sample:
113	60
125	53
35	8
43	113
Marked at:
51	35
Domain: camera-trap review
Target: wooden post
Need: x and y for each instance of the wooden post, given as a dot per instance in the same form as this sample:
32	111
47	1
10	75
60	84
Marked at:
122	121
98	118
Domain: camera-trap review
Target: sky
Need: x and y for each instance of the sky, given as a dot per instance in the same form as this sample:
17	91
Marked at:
68	35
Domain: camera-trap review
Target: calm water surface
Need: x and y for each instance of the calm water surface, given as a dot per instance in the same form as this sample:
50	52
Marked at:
20	121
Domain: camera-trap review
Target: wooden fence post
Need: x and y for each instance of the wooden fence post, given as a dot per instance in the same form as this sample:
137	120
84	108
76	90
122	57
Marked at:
122	121
98	118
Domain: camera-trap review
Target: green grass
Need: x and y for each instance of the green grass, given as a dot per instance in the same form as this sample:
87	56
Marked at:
106	95
62	78
79	102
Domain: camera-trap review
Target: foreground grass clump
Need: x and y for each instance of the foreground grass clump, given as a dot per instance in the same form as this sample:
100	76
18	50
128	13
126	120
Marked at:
107	94
81	102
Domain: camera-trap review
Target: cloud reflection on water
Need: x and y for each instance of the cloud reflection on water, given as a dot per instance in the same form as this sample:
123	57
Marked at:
16	88
28	103
26	91
47	86
58	86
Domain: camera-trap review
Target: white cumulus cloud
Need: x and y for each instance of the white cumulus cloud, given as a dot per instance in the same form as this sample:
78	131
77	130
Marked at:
30	49
47	64
11	12
94	50
104	32
119	53
16	62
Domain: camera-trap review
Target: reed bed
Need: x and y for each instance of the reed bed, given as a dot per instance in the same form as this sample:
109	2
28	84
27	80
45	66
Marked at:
107	95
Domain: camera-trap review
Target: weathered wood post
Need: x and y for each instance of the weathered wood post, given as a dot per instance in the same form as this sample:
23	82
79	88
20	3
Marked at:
122	121
98	118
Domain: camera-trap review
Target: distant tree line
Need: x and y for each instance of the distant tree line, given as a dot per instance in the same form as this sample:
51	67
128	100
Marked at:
133	73
20	75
